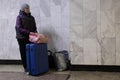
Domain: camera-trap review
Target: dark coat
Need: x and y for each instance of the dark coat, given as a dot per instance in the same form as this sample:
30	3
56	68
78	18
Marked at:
25	24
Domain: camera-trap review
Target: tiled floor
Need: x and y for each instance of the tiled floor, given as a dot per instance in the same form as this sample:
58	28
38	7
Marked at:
74	75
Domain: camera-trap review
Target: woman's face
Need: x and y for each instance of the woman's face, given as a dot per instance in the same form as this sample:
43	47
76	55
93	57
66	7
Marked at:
27	10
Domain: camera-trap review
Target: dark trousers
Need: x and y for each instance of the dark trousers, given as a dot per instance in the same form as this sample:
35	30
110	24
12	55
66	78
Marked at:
22	47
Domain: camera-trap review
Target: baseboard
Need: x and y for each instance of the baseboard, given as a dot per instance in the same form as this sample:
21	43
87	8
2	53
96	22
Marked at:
10	62
95	68
107	68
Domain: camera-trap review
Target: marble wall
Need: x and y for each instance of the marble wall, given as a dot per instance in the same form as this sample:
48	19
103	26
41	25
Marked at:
52	19
93	37
95	32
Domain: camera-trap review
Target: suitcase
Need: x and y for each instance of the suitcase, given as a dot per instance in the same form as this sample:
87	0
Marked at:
37	58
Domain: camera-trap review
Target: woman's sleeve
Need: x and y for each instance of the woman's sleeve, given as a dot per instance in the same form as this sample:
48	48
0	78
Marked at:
20	28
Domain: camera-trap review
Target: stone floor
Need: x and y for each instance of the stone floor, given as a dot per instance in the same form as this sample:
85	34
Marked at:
19	68
86	75
74	75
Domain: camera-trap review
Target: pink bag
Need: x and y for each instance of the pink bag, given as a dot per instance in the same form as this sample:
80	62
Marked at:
38	38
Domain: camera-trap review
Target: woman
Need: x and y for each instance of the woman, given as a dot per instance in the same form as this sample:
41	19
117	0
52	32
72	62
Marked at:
25	26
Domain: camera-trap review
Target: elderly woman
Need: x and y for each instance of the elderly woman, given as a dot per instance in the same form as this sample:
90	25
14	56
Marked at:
25	26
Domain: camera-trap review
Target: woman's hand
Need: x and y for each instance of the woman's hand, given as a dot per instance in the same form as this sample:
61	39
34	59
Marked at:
32	33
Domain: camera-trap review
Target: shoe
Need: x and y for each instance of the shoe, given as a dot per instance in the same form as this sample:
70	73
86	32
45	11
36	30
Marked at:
27	73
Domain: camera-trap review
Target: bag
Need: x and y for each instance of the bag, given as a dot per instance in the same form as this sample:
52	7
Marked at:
51	60
61	59
38	38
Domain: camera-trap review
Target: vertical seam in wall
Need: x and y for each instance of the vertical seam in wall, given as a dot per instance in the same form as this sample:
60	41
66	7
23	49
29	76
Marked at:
100	35
115	40
97	32
69	24
83	30
61	18
100	32
40	13
98	27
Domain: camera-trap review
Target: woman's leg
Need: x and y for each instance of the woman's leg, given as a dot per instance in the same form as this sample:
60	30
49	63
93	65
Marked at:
22	47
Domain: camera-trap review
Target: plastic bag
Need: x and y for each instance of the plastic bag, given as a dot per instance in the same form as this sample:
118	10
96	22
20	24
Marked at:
61	60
